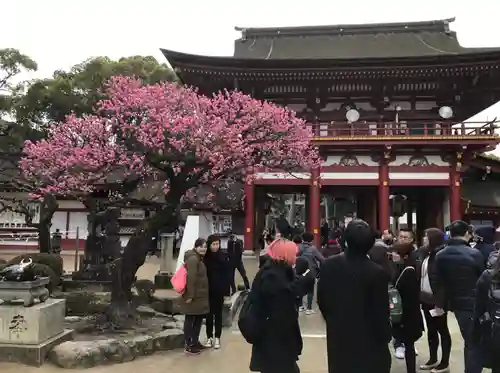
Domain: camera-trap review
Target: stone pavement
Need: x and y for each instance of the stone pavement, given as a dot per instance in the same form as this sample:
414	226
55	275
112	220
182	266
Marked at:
234	355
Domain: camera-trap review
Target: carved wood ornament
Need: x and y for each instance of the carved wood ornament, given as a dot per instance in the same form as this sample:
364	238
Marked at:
418	160
349	161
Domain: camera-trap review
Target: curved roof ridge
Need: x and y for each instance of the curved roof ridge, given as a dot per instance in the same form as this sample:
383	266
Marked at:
348	29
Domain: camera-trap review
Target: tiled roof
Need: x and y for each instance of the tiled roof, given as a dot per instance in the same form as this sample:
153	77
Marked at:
383	40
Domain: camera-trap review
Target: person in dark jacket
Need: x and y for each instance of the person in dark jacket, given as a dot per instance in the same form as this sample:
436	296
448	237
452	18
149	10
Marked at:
276	288
433	303
194	300
308	251
325	232
235	252
405	235
458	267
411	327
485	241
306	277
219	271
352	297
485	312
284	227
379	254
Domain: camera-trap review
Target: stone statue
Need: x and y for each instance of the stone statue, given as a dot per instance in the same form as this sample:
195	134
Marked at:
55	245
19	282
103	244
19	272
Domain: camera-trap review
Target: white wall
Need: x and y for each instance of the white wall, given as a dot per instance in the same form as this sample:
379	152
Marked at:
77	219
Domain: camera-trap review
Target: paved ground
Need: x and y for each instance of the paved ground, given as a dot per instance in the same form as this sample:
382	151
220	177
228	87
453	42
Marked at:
234	355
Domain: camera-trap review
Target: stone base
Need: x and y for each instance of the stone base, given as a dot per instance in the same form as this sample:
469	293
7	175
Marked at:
162	280
34	355
87	354
25	291
69	284
32	325
166	301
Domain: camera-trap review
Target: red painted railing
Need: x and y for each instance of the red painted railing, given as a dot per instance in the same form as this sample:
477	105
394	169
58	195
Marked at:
411	129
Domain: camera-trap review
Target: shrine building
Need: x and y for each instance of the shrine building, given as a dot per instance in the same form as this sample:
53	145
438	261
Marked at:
389	106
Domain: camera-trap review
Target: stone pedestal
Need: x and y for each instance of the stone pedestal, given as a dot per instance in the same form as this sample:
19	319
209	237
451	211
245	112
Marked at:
27	334
26	291
167	263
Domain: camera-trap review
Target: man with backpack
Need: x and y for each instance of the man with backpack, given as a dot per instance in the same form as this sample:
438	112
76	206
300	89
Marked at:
308	251
458	267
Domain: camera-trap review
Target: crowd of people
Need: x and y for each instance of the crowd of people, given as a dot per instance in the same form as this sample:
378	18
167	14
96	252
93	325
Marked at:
210	278
372	288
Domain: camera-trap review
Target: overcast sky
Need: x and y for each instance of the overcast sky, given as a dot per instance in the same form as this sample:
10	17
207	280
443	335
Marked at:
59	34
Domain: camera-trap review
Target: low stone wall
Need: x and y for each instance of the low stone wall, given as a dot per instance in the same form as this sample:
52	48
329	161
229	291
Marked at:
87	354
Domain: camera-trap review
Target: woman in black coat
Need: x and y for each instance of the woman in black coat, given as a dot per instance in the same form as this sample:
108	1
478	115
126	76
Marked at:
276	289
219	272
433	303
411	327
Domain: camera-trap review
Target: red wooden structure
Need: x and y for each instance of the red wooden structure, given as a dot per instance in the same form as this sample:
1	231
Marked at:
388	105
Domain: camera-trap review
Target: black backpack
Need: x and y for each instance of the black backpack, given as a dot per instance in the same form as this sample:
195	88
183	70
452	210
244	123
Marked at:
251	320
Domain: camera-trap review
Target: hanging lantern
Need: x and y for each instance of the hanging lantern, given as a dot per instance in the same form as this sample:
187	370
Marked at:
398	205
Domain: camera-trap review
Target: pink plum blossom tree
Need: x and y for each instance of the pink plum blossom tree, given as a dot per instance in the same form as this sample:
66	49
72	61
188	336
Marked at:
170	133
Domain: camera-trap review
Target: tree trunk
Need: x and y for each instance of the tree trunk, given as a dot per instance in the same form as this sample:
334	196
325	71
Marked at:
47	209
124	269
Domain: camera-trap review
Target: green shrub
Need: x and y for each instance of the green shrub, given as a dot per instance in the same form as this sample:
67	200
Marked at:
54	261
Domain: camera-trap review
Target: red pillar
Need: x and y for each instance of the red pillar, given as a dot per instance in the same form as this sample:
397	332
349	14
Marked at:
315	206
455	198
383	196
249	215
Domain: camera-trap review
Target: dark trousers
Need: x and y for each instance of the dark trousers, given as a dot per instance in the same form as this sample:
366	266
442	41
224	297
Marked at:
192	327
410	356
437	329
214	318
309	300
472	352
243	273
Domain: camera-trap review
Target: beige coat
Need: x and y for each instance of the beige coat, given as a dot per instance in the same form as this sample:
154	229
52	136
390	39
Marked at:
196	285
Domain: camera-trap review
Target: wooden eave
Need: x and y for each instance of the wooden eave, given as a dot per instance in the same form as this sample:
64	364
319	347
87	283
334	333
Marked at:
467	64
481	161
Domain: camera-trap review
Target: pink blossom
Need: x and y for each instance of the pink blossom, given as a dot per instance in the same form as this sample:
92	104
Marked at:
171	133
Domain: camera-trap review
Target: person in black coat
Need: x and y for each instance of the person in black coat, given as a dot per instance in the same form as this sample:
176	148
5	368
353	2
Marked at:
434	303
276	289
411	327
353	299
485	241
235	252
485	331
458	267
219	271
